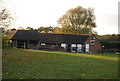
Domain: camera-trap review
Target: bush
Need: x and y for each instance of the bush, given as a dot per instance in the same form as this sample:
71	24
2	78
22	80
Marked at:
111	45
5	42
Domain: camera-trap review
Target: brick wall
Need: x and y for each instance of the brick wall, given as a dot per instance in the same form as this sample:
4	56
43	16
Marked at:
96	48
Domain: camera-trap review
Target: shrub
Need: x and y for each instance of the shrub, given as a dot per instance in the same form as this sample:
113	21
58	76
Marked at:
5	42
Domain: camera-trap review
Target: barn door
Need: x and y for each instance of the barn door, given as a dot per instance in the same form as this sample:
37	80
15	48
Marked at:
87	48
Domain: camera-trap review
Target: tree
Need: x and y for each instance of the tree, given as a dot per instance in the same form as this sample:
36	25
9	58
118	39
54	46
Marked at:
13	29
6	17
78	21
57	30
29	28
46	29
5	41
40	28
109	38
21	28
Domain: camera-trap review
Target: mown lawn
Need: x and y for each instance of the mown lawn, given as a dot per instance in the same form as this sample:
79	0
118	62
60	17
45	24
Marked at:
33	64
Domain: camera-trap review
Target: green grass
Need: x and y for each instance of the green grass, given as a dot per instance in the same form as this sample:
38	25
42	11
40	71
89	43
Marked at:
33	64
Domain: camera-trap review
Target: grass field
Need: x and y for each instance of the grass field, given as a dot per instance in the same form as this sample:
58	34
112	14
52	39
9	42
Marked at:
33	64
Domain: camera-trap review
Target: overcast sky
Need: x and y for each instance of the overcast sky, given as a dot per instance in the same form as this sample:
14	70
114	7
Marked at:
37	13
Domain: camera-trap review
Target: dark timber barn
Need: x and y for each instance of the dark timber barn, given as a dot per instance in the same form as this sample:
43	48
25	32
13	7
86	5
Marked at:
32	39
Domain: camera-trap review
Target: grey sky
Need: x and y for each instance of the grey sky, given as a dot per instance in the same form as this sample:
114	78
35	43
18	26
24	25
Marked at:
37	13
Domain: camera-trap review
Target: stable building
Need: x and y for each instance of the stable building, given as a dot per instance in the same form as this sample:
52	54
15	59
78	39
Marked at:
32	39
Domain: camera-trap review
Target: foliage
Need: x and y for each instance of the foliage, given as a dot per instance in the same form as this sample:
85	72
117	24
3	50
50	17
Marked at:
109	38
5	19
17	64
21	28
46	29
42	31
13	29
111	42
5	41
111	45
29	28
78	21
88	30
57	30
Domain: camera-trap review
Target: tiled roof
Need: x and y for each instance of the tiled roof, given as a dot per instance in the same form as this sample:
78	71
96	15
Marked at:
49	37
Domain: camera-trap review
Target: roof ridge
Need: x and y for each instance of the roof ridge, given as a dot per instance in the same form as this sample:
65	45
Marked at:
64	34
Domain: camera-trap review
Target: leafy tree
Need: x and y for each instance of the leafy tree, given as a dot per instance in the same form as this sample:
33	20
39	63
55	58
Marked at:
5	41
57	30
29	28
46	29
6	20
40	28
13	29
108	38
21	28
42	31
110	42
78	21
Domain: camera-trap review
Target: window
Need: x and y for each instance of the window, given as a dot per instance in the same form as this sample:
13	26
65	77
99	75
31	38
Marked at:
63	45
87	48
79	45
79	48
92	42
73	45
42	44
73	48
